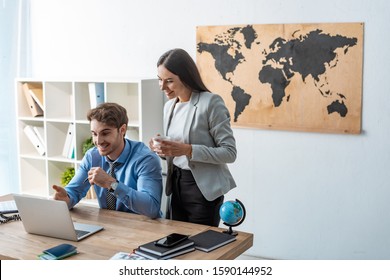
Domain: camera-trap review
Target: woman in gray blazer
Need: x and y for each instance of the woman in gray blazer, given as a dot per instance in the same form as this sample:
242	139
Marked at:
201	141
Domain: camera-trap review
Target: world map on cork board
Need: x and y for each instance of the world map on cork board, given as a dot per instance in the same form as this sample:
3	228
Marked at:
304	77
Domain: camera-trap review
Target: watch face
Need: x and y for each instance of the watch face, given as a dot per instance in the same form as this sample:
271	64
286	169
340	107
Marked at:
113	186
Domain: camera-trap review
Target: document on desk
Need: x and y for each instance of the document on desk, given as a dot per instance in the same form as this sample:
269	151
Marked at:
127	256
8	207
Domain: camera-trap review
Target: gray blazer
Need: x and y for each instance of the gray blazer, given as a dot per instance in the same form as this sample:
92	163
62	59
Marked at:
207	128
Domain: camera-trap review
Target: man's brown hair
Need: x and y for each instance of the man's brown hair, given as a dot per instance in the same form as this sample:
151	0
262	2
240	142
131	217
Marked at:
111	114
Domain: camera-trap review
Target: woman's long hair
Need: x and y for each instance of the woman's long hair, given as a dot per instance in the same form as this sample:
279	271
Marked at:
180	63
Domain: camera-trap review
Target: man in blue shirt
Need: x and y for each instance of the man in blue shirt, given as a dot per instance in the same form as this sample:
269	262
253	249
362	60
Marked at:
134	184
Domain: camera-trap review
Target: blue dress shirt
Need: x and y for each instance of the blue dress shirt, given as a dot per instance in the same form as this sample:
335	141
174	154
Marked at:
139	175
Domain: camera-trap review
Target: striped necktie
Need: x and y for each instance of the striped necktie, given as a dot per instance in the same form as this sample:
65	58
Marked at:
111	199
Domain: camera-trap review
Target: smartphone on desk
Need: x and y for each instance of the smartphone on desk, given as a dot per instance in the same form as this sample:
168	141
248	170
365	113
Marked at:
171	240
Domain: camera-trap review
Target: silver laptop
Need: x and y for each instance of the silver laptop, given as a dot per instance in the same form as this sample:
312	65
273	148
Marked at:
49	217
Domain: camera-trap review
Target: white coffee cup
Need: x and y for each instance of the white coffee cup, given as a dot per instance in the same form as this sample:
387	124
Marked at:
157	140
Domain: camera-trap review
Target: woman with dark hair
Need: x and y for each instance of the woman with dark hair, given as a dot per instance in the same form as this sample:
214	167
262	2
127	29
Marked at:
201	141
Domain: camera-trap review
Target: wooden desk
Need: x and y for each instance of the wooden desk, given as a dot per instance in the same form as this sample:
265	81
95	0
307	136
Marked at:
122	232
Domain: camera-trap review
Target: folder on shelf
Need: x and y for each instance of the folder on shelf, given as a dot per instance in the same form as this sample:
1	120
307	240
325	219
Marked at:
96	94
68	149
36	92
31	98
39	131
34	139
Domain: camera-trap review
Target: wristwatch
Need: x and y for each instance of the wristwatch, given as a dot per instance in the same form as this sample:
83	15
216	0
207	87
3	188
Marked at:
113	186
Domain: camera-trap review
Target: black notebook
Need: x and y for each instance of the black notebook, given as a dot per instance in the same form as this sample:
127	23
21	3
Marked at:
162	251
210	240
151	256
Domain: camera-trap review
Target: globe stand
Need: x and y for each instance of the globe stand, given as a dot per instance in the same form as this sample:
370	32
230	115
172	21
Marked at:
230	231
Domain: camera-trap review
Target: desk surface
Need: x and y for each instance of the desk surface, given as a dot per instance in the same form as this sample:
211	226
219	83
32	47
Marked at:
122	232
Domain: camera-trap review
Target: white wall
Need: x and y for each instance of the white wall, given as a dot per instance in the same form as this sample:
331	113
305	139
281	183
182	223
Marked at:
308	195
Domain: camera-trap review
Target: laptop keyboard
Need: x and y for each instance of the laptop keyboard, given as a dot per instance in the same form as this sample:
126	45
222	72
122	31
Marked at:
81	232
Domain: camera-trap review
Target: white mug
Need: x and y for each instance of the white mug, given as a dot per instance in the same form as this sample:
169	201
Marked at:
156	143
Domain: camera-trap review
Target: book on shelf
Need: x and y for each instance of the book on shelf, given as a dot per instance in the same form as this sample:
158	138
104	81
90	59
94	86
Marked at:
32	135
96	94
150	247
210	240
68	149
151	256
36	107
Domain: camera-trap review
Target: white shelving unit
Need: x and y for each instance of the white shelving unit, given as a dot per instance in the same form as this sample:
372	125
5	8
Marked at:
67	102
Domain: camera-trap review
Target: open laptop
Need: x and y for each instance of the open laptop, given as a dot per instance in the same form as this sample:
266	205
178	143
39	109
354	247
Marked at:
49	217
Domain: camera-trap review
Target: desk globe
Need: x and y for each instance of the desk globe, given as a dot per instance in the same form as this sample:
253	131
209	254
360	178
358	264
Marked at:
232	214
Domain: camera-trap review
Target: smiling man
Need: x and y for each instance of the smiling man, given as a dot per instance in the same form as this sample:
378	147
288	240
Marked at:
125	174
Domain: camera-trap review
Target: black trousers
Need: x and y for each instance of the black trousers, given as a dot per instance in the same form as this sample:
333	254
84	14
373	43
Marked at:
188	204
